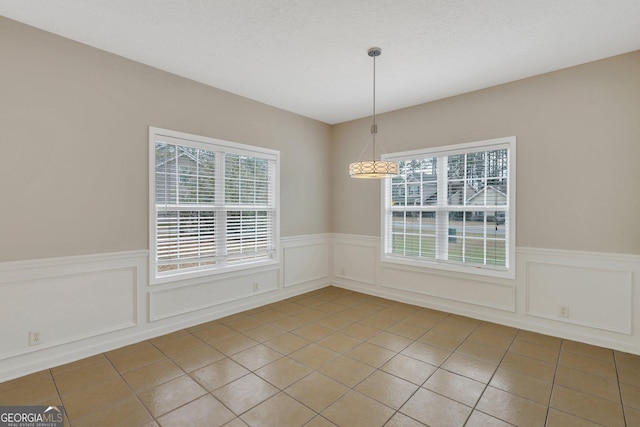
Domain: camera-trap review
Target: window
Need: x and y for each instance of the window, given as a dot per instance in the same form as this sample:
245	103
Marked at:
453	208
213	205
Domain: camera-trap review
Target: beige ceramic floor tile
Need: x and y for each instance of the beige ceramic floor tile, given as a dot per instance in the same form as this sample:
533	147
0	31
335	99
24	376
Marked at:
444	341
77	364
456	387
587	383
309	301
31	393
215	332
279	410
136	359
370	354
28	379
628	374
562	419
627	359
353	314
269	315
311	315
393	342
435	410
340	342
256	357
356	410
314	355
528	366
480	419
407	330
283	372
632	416
127	412
511	408
426	353
378	322
287	343
77	380
179	345
490	339
422	320
360	331
387	389
129	348
205	411
245	324
169	396
535	351
334	322
317	391
630	395
233	344
288	307
587	364
368	307
522	385
588	350
95	397
409	369
347	370
586	406
330	308
264	333
219	374
540	339
401	420
320	421
481	352
455	330
245	393
152	375
313	332
289	323
197	358
470	367
496	329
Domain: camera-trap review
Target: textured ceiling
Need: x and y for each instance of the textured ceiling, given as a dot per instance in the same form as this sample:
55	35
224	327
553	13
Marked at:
310	56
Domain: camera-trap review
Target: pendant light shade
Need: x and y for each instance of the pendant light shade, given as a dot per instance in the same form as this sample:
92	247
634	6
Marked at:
373	168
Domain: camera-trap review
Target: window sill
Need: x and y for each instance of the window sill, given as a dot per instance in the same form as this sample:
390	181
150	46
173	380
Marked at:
217	273
448	269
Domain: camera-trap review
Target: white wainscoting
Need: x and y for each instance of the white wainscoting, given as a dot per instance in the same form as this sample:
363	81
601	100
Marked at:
305	259
89	304
600	290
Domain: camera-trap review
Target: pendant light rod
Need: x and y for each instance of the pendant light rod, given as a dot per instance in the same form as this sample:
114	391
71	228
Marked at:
374	52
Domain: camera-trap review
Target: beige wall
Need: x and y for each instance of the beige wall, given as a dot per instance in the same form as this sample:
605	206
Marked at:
73	151
578	154
74	173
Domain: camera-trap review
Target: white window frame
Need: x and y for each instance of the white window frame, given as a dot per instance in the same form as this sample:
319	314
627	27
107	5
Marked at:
220	147
387	256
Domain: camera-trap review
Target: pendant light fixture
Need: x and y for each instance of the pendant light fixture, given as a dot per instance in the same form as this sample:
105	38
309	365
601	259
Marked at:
373	168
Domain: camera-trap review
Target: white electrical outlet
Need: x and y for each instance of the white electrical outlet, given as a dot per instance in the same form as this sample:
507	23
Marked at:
255	287
564	311
34	337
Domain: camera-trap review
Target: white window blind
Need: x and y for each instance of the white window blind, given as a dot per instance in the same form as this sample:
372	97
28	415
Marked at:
452	206
214	204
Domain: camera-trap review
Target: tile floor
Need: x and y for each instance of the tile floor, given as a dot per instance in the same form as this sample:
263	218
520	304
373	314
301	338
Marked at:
335	357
